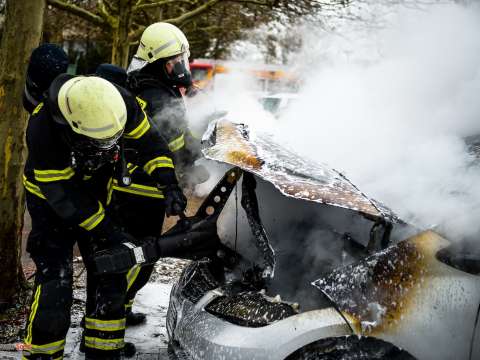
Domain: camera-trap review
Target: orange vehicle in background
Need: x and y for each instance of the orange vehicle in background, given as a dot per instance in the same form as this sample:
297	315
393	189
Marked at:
269	78
202	73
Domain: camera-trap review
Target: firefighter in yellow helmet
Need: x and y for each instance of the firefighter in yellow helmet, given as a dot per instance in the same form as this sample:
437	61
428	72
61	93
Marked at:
75	140
156	74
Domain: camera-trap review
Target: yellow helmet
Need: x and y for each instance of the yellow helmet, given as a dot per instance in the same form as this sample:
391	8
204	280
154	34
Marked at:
94	108
159	41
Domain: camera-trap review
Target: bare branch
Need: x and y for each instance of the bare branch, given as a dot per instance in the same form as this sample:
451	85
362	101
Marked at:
103	11
178	20
110	7
253	2
158	4
195	12
78	11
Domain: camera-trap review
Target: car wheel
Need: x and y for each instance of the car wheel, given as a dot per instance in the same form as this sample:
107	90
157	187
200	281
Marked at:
171	321
350	348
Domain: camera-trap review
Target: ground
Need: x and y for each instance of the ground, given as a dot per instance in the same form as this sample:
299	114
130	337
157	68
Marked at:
150	338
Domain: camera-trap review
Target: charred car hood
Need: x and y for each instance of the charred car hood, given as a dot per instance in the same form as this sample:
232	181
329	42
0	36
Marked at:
291	174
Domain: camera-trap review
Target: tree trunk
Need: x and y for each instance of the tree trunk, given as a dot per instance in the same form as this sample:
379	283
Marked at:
22	32
120	40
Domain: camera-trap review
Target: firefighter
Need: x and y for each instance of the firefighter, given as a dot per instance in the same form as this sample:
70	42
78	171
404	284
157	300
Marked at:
157	74
75	139
46	63
147	217
157	81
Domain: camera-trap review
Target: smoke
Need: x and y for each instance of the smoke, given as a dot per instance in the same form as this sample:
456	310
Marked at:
394	119
390	108
235	94
389	104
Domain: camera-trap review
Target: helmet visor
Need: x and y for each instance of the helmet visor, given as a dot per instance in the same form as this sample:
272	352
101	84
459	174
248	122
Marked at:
136	64
107	144
88	144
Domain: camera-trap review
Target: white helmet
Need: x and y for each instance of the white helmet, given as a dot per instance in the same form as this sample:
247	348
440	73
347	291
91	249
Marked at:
94	108
160	41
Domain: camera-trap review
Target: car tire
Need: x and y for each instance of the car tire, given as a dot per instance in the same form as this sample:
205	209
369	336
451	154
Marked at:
350	348
171	319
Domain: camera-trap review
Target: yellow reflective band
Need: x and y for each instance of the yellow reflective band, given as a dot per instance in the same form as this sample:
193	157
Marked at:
132	275
95	219
141	129
105	325
109	191
161	161
177	144
37	109
137	189
142	103
53	175
34	189
49	349
104	344
33	311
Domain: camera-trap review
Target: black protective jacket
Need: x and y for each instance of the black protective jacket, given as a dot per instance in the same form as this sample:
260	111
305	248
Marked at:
165	105
51	172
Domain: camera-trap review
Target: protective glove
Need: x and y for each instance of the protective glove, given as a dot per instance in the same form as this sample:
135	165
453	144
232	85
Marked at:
175	201
107	242
120	258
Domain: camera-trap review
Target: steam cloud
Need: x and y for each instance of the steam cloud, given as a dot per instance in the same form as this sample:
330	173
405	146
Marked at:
395	121
390	107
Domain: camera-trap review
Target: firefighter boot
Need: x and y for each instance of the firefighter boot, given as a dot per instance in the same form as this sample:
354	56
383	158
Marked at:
135	318
128	351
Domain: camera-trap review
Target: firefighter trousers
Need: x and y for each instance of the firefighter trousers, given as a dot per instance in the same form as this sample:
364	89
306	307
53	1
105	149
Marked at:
140	216
50	244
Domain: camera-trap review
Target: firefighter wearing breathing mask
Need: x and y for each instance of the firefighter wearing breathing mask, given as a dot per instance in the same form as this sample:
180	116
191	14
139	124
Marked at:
156	75
75	140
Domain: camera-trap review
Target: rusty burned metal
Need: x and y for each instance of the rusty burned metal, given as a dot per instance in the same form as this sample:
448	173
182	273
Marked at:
376	292
406	295
290	173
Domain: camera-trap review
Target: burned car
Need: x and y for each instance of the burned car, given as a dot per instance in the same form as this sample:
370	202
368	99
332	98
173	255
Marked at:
315	269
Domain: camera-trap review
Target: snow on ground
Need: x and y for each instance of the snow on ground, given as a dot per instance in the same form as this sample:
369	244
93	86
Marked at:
150	338
152	300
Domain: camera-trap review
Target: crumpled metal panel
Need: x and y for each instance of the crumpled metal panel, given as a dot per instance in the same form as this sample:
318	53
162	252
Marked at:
250	205
293	175
405	295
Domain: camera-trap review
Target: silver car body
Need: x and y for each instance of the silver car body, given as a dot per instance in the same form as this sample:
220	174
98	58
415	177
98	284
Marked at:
402	294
